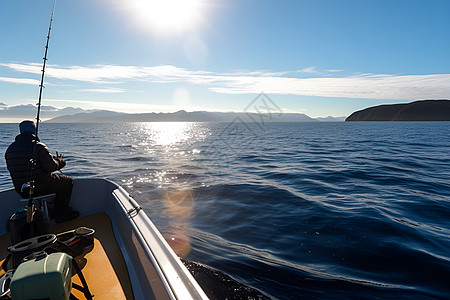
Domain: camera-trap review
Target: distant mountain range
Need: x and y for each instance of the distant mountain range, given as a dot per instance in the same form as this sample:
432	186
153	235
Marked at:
331	119
77	115
184	116
29	111
423	110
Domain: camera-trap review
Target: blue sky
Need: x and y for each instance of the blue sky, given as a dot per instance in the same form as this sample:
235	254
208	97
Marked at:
321	57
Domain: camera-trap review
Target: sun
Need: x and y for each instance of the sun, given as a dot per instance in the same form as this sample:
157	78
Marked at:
165	16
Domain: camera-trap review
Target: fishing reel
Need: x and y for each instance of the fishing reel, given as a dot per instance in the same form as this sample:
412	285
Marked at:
29	186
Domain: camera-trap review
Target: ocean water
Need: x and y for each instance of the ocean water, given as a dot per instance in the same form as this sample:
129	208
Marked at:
294	210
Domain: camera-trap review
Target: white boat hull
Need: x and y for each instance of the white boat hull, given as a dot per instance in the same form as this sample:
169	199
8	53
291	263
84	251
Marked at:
154	269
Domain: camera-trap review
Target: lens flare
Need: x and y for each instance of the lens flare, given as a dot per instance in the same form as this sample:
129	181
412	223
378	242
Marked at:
180	205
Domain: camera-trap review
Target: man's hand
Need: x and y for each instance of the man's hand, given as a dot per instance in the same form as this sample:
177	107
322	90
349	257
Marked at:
59	158
61	162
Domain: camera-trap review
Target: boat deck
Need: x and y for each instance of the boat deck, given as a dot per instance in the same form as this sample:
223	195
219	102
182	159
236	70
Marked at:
104	267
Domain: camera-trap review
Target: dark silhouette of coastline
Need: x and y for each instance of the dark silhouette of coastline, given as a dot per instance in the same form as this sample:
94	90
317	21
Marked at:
423	110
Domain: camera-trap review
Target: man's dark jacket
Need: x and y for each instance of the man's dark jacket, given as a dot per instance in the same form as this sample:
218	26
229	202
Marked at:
18	159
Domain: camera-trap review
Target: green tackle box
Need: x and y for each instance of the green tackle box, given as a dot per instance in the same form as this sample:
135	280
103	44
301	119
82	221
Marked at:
43	277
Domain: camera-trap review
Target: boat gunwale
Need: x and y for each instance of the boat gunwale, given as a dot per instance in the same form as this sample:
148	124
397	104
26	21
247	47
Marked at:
177	279
126	214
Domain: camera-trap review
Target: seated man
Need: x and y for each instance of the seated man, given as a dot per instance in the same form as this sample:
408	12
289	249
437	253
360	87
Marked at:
18	159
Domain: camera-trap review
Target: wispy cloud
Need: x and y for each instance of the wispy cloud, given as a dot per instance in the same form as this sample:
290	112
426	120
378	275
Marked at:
405	87
367	86
20	80
310	70
95	74
105	90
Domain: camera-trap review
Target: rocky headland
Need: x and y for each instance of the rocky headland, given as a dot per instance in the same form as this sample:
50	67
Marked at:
423	110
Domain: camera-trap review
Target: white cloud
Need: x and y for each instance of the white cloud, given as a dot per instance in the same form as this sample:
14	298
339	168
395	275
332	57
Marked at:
310	70
367	86
105	90
20	80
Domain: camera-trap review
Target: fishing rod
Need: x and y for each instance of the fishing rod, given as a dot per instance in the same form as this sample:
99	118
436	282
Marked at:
41	86
30	185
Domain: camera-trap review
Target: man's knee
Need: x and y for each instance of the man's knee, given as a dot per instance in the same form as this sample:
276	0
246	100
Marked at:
63	179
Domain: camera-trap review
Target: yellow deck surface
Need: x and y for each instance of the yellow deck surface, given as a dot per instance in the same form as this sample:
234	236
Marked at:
104	268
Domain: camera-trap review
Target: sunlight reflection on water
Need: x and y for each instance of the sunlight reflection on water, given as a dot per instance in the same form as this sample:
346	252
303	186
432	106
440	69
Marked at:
172	143
169	133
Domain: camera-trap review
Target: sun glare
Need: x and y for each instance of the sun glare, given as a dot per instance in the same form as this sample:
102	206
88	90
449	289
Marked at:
167	15
168	133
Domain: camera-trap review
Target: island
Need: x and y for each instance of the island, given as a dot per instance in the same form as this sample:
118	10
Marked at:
422	110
